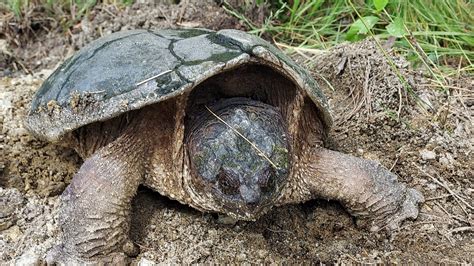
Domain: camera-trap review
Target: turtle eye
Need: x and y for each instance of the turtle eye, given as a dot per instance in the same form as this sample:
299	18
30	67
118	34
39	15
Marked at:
227	184
267	181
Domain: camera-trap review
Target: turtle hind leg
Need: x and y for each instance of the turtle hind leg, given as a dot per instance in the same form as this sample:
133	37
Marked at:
95	210
369	191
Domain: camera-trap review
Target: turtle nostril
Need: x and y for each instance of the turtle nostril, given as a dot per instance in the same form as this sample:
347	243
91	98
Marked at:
267	182
227	184
250	195
252	205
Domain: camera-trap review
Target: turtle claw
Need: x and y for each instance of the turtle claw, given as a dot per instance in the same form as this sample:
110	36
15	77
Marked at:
57	256
408	210
392	220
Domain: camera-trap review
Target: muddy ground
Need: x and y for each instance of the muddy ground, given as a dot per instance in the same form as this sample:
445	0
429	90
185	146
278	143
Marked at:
425	136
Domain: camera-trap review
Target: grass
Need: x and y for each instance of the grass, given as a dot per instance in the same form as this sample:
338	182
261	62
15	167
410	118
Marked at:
53	8
66	12
436	34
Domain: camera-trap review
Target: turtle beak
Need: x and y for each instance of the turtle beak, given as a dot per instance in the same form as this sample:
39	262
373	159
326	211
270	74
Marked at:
251	195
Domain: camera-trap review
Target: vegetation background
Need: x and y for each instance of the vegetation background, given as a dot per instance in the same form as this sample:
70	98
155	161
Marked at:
434	33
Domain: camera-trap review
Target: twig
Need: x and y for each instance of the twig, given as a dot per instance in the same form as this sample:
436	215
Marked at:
185	4
300	49
259	152
154	77
394	163
94	92
106	10
438	197
366	91
462	229
447	86
432	222
456	197
445	211
448	238
167	18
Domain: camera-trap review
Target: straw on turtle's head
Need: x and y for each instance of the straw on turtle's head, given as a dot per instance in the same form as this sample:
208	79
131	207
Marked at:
239	154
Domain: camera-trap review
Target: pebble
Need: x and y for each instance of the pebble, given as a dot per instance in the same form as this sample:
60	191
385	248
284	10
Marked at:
14	233
447	160
425	101
212	232
241	257
427	155
5	102
145	262
225	219
29	258
444	161
18	132
262	253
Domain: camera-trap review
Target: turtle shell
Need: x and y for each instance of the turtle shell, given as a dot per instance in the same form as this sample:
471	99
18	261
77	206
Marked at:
131	69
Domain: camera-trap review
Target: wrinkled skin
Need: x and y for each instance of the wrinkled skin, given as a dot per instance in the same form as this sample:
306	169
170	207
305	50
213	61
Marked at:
222	173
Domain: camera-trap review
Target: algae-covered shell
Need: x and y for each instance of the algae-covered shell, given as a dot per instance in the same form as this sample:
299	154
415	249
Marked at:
131	69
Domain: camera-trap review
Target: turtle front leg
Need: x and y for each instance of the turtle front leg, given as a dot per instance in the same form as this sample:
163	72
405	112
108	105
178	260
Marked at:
368	190
95	211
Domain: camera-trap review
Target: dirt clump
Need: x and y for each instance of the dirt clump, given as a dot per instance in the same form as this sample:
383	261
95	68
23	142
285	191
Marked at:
24	157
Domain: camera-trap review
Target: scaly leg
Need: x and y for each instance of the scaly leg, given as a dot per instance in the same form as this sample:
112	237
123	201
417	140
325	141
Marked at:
95	211
368	190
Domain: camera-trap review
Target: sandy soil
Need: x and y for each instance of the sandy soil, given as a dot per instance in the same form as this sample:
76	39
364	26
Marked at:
426	137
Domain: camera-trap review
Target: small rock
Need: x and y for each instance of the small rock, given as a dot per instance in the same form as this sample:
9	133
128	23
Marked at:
18	132
262	253
145	262
241	257
50	229
212	232
447	160
5	102
131	249
444	161
427	227
29	258
432	186
427	155
425	101
225	219
13	233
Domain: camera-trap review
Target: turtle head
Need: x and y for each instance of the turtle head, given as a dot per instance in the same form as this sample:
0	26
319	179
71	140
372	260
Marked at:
239	156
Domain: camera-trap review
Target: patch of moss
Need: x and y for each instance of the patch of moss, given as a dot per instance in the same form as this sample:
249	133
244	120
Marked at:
280	156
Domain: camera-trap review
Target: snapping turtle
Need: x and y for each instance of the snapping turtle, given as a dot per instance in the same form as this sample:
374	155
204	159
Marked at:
221	121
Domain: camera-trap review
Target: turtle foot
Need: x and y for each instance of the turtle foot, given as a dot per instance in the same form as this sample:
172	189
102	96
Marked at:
391	219
368	190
